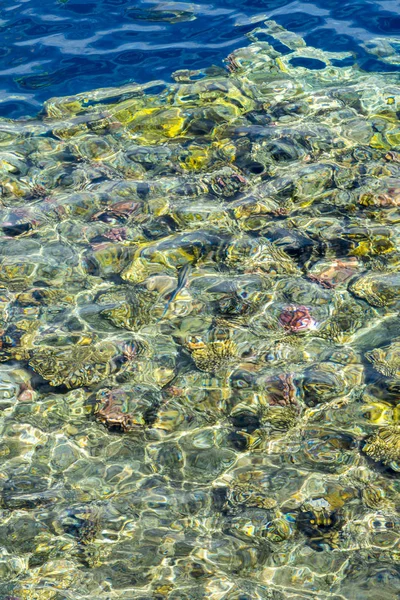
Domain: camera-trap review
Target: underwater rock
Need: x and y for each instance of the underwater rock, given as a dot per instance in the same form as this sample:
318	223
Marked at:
212	356
127	409
296	318
126	307
378	289
386	360
346	319
333	273
76	366
327	380
384	446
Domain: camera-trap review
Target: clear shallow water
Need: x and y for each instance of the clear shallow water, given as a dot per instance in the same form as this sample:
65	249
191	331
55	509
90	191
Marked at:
199	347
52	48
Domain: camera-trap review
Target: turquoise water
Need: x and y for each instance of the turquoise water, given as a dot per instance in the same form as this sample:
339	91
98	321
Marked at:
199	312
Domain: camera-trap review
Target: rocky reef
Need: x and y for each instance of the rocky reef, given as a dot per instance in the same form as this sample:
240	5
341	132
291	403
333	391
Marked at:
200	334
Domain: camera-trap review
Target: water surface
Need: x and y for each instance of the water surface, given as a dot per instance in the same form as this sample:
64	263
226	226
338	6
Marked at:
199	304
52	48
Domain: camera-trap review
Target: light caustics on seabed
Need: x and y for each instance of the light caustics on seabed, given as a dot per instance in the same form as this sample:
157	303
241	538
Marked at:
200	334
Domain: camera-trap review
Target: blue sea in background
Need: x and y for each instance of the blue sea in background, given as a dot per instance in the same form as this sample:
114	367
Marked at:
61	47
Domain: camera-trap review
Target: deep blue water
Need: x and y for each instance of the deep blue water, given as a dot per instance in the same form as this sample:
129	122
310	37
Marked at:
61	47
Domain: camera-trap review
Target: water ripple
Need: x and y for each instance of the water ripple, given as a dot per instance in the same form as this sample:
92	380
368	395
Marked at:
60	47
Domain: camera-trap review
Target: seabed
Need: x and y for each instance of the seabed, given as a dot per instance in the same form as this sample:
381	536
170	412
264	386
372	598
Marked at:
200	334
